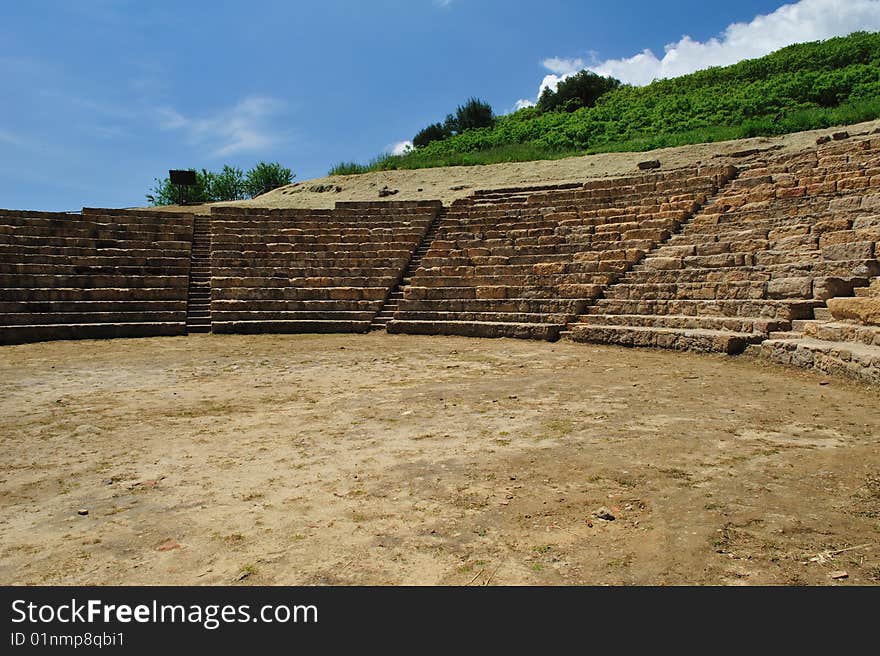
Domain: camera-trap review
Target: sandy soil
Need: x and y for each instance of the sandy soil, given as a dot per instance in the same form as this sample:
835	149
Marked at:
349	459
454	182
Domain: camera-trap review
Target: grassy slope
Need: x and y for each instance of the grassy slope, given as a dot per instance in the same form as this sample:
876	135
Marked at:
801	87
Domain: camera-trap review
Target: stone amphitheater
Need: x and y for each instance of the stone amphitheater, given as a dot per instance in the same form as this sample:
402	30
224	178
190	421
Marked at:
771	255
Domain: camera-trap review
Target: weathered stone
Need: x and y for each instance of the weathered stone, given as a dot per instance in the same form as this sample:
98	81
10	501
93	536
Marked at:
801	287
870	202
856	250
664	263
865	310
649	165
826	287
834	225
491	292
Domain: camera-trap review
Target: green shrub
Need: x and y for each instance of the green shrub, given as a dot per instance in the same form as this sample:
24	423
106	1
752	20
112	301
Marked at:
434	132
580	90
475	113
229	184
266	177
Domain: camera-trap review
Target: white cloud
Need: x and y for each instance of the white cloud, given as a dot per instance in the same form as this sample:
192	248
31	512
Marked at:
806	20
243	127
522	103
562	66
399	148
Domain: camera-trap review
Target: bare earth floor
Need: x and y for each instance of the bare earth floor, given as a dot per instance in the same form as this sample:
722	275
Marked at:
378	459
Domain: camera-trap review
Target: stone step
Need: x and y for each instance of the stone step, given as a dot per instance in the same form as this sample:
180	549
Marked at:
854	360
140	315
90	307
500	292
116	293
689	290
766	309
258	305
547	332
864	310
290	315
682	339
290	326
528	305
733	324
47	332
832	331
487	317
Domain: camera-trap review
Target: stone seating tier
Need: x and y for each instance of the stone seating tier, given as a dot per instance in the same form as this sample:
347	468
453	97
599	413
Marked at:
104	273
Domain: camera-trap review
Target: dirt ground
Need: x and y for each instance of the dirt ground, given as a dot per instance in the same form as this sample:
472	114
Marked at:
378	459
454	182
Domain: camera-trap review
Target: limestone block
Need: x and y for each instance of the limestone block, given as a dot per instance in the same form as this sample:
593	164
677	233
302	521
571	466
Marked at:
834	225
789	231
548	268
839	237
491	292
828	287
870	202
664	263
797	243
713	248
845	203
801	287
856	250
862	309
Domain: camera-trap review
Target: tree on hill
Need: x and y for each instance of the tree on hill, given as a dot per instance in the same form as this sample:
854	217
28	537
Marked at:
434	132
580	90
475	113
266	177
230	183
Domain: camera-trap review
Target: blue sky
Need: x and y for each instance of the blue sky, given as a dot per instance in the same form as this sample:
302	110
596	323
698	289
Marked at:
102	96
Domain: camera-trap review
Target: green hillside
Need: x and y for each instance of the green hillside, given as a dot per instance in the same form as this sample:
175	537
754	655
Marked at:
801	87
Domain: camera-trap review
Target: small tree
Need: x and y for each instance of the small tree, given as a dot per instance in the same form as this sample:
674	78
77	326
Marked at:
229	184
475	113
434	132
265	177
580	90
165	193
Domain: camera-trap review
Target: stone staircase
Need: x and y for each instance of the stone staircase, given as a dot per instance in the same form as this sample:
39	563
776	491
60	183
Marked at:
524	262
780	239
392	303
702	324
837	341
198	309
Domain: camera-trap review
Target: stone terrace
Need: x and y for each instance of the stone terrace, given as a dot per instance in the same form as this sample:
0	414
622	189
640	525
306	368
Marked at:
299	271
786	235
524	262
843	339
105	273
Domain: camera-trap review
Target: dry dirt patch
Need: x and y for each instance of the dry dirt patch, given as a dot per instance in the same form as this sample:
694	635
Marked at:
348	459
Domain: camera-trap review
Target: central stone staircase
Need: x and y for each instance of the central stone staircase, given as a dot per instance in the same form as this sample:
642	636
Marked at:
392	303
198	308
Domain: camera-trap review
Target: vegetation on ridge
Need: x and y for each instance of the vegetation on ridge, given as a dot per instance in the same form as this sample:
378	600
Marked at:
230	183
801	87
